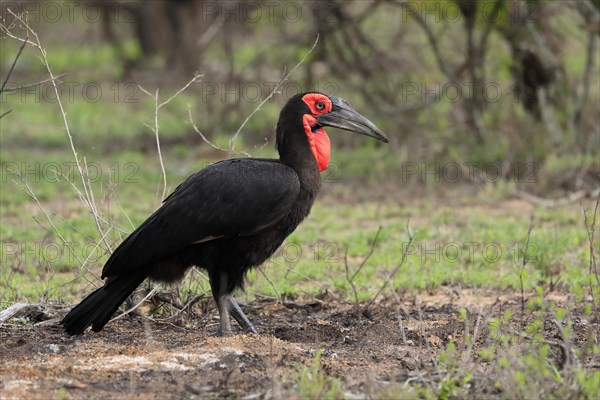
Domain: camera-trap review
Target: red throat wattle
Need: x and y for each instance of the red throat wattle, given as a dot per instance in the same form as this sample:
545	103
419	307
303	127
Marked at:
319	142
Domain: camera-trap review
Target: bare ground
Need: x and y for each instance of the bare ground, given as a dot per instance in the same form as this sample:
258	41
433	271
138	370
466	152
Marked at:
137	358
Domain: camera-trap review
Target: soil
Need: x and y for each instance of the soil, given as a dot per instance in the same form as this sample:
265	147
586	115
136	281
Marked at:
135	357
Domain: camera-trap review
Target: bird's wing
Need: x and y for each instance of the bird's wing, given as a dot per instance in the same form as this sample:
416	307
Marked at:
236	197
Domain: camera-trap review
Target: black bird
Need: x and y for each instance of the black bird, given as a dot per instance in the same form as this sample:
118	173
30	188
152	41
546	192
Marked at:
228	217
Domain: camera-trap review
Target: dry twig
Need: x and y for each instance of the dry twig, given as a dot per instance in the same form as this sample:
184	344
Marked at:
232	141
155	128
275	90
87	200
12	67
350	279
279	299
591	230
523	264
395	271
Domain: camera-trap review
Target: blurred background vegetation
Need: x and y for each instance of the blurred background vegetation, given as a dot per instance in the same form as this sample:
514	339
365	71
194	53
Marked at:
507	91
488	81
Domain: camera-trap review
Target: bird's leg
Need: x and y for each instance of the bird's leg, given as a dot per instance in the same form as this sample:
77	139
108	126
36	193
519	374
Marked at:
228	307
237	313
224	323
218	285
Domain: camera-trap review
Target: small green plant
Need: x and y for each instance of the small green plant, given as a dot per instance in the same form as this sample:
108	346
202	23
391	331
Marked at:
457	380
314	383
524	355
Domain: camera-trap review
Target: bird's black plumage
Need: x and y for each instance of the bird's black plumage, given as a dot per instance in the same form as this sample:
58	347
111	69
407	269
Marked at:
232	198
226	218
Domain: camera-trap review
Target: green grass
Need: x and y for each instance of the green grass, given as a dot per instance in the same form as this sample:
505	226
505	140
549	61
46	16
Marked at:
459	238
517	356
463	242
443	252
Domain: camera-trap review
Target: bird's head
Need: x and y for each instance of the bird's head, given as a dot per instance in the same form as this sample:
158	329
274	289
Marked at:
313	111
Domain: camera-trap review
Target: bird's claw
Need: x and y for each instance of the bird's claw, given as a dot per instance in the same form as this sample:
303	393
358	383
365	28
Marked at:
223	333
228	306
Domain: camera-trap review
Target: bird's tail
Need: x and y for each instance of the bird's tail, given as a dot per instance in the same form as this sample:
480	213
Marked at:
99	306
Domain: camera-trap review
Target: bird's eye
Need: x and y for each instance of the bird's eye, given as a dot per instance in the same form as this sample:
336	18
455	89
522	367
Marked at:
320	105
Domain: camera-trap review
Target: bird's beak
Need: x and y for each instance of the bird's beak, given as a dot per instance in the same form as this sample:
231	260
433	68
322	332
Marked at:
344	117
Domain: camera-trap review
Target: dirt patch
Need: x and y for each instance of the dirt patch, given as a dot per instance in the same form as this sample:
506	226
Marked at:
136	358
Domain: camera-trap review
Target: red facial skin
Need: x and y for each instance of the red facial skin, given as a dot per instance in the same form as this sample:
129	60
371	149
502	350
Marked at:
318	140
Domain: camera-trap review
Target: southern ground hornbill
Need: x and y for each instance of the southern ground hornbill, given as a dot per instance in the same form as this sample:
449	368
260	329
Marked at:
228	217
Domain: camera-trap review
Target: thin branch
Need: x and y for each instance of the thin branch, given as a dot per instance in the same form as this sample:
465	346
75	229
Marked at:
123	210
211	144
308	278
196	78
150	294
275	90
92	202
12	67
364	261
30	85
59	175
272	285
87	200
158	148
350	279
587	76
430	37
233	140
399	317
591	230
425	339
356	306
5	29
194	300
474	336
395	271
180	308
94	249
168	300
155	129
210	33
560	202
491	19
27	189
524	263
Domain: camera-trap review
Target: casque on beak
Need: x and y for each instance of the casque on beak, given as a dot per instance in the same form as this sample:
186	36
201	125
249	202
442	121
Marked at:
342	116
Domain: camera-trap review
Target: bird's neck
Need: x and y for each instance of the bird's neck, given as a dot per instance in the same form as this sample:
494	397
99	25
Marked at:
307	169
295	151
318	141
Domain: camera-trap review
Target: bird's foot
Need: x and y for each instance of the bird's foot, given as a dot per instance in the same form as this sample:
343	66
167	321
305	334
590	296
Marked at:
229	307
222	333
237	313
